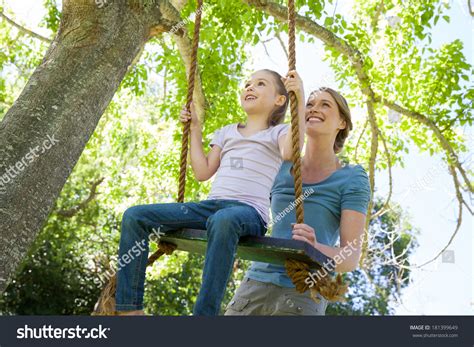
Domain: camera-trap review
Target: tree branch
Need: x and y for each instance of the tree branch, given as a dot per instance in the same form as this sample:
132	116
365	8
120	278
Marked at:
73	211
179	4
378	11
185	46
390	179
282	44
263	42
373	157
452	156
356	149
25	30
459	219
357	61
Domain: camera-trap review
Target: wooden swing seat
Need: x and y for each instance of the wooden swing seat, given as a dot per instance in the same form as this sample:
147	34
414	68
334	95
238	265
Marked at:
257	248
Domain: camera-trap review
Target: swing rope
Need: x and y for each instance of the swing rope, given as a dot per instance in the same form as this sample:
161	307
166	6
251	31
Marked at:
189	100
296	158
330	289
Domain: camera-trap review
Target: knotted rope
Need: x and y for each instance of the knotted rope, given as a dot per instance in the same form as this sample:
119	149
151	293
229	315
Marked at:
329	288
106	304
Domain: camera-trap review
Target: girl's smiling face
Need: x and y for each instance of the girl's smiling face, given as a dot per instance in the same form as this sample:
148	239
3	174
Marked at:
260	95
322	115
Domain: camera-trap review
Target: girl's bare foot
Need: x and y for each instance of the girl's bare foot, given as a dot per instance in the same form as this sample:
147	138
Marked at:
131	313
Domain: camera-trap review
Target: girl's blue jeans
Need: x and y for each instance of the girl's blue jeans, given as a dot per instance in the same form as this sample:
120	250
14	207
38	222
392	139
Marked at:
225	221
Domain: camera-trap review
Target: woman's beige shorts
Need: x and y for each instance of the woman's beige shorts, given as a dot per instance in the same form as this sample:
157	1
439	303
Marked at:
255	298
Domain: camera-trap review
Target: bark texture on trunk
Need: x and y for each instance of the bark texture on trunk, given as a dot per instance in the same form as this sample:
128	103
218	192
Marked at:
44	133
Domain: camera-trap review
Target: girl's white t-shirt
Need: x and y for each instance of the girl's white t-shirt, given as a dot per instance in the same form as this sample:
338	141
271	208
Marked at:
248	166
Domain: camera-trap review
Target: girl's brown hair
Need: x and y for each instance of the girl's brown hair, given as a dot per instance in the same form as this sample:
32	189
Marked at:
344	113
278	115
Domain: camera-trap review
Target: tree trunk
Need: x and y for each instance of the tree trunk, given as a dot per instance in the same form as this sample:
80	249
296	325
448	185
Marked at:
44	133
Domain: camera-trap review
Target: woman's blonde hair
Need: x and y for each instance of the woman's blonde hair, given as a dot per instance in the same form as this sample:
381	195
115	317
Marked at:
344	113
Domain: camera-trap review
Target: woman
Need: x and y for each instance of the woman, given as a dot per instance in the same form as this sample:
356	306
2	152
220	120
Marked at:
335	210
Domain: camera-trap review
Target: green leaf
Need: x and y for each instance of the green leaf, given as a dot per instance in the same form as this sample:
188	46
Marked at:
328	21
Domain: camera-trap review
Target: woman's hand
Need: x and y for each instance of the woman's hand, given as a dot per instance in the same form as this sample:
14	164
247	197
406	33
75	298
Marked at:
294	83
186	116
304	232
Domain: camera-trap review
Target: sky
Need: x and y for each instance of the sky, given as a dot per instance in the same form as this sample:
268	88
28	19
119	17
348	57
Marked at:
423	187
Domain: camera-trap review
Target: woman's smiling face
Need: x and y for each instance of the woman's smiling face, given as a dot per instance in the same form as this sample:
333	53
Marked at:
322	114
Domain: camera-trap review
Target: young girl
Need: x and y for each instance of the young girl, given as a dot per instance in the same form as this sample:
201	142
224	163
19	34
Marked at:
245	159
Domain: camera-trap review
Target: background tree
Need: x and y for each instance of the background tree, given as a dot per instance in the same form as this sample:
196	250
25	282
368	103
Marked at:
375	288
